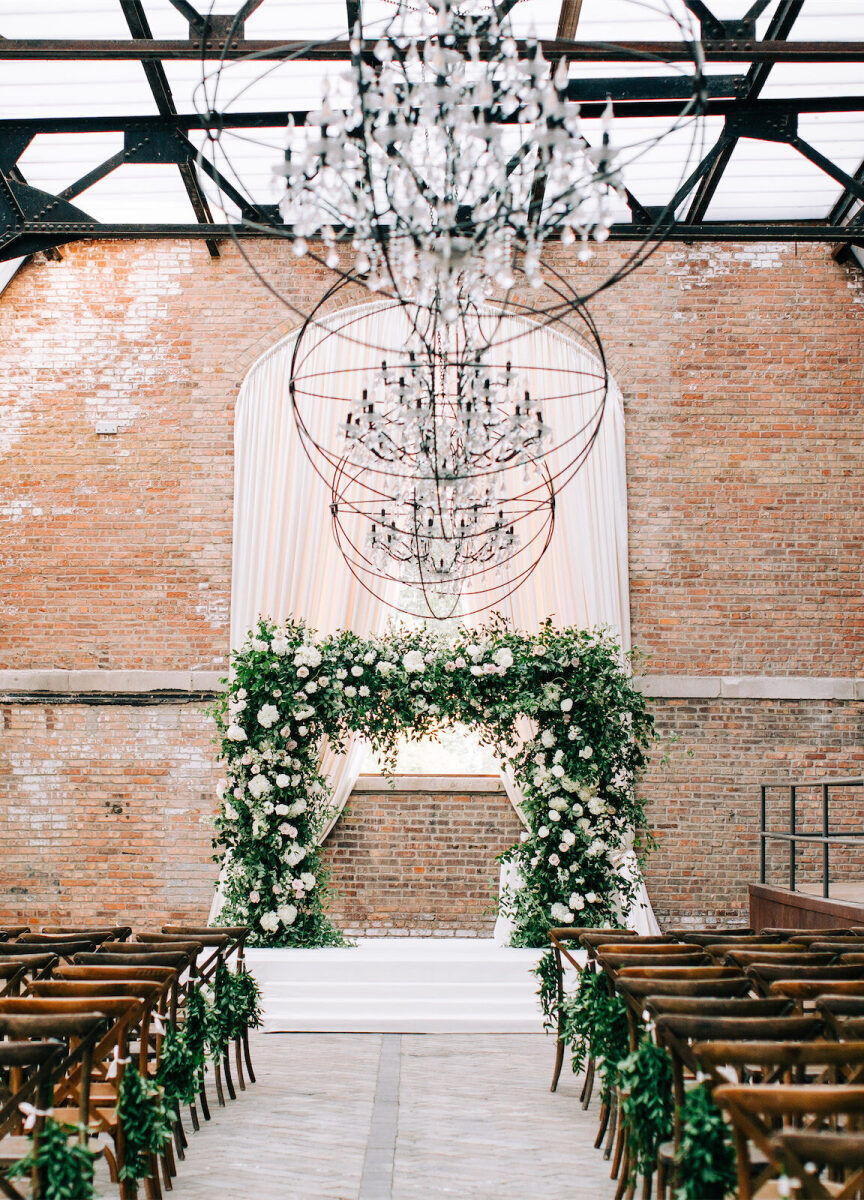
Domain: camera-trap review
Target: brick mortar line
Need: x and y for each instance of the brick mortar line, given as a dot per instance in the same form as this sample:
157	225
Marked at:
46	686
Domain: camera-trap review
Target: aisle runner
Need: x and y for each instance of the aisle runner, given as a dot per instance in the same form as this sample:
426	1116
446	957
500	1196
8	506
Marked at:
400	985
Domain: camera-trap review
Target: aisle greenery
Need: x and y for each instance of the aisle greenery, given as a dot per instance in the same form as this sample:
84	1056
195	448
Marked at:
63	1164
578	770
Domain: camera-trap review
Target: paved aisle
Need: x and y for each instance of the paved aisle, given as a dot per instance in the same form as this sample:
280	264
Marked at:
398	1117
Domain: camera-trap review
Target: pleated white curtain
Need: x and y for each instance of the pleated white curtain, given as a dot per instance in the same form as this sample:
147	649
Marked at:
286	560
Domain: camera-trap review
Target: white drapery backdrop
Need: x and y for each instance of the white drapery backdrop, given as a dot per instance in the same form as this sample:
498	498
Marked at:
286	560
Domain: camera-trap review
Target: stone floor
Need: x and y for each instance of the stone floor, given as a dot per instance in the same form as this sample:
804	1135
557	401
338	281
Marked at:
397	1117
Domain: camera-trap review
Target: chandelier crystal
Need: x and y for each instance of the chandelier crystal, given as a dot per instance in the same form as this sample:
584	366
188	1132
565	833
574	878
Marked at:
428	159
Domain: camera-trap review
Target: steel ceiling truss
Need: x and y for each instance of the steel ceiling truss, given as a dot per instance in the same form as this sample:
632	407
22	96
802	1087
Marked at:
31	219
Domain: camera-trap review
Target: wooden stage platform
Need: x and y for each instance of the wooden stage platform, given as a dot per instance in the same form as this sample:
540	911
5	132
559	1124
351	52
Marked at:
779	908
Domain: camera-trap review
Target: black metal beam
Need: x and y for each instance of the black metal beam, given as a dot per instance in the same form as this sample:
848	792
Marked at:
218	47
779	27
844	205
86	181
705	231
756	78
157	81
352	14
195	19
185	122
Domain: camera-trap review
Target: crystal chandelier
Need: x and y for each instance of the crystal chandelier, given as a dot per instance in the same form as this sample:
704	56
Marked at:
426	156
447	431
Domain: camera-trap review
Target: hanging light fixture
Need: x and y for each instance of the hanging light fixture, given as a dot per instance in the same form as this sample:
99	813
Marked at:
444	466
448	153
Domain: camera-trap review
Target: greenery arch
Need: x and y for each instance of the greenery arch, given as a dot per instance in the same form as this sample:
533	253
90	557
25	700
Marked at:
578	772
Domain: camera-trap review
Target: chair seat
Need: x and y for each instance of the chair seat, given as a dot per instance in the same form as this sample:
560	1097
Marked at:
13	1148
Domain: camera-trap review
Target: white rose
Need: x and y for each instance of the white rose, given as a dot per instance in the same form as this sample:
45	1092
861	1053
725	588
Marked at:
268	715
282	781
236	733
475	670
547	737
229	811
566	705
413	662
287	914
311	687
341	673
591	897
369	658
576	902
585	752
503	658
280	646
538	651
281	809
298	807
356	672
553	815
350	692
302	730
259	785
260	645
568	836
364	691
302	672
524	835
473	651
241	693
558	771
554	860
308	880
543	831
269	922
385	668
461	663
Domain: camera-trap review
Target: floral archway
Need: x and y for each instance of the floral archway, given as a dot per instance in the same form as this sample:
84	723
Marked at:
578	769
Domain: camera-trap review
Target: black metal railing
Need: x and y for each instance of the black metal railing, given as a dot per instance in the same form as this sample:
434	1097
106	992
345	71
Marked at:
825	837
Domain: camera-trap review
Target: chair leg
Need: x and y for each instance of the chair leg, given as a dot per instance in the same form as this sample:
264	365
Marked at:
229	1081
619	1147
193	1117
613	1126
166	1173
169	1161
604	1121
179	1145
624	1174
152	1186
247	1055
646	1186
588	1085
238	1062
217	1075
559	1063
205	1107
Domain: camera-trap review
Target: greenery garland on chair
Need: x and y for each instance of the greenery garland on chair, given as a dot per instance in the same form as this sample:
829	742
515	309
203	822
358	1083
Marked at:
645	1088
64	1166
145	1122
235	1008
595	1026
196	1028
179	1071
706	1155
289	689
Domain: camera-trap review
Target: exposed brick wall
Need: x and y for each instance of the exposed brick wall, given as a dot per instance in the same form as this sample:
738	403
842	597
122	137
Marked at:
741	367
703	806
103	813
421	863
742	370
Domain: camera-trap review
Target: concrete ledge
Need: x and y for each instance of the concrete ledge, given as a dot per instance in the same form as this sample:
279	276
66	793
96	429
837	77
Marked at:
750	687
47	685
454	784
108	687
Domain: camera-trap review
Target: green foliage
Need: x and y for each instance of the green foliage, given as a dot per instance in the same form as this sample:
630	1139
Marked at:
288	689
145	1121
706	1156
65	1165
236	1007
645	1085
179	1070
547	974
196	1028
595	1025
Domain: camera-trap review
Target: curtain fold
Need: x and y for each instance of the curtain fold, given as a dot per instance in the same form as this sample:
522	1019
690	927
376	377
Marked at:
286	561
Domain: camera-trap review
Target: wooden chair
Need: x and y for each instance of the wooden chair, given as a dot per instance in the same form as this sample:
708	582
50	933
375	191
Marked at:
679	1033
30	1067
774	958
126	1014
19	949
117	933
708	1006
11	932
803	991
686	935
834	1009
558	939
755	1111
764	974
